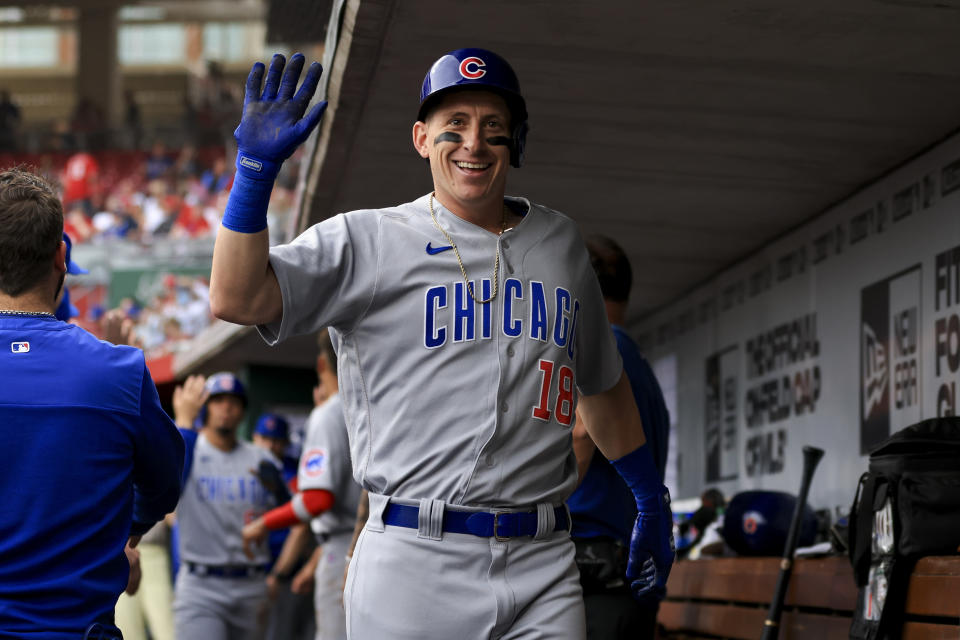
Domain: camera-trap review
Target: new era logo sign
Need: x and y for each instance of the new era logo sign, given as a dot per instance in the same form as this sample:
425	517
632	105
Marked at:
20	347
250	163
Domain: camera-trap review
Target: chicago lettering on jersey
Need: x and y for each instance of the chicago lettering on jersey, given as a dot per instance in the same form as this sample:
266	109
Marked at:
523	309
231	489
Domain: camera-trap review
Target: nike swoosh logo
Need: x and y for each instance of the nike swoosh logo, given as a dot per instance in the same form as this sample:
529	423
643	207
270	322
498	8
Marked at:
435	250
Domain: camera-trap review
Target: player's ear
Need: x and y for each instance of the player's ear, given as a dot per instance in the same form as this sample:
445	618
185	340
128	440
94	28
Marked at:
420	139
60	258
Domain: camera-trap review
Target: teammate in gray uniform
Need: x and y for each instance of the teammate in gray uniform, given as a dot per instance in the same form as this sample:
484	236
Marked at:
465	323
219	591
324	469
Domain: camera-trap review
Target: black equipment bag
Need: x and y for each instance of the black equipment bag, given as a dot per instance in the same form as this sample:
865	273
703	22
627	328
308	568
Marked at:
907	506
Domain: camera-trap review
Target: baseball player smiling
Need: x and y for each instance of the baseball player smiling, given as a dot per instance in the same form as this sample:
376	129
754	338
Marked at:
459	421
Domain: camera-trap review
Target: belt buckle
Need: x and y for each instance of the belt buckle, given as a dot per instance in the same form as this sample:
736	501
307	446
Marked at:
496	534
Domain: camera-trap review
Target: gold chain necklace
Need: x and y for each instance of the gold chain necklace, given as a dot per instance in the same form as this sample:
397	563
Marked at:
13	312
496	262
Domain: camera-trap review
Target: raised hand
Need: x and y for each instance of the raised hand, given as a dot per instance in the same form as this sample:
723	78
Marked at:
188	399
273	122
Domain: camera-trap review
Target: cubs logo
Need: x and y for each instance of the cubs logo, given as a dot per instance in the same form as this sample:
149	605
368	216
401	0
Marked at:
753	520
472	68
314	462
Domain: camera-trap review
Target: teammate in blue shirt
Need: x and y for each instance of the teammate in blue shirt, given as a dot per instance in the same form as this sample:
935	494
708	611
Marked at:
602	507
89	458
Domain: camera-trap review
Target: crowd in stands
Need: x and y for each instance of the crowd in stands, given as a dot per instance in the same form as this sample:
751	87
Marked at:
144	195
133	185
177	311
144	198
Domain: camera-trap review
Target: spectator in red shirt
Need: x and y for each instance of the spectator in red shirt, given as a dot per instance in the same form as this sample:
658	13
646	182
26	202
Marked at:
190	222
80	182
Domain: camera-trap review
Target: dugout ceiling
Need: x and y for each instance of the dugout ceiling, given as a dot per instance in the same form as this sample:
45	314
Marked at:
693	132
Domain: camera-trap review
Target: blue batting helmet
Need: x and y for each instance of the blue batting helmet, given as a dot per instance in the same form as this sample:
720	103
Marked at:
72	267
272	425
225	383
478	69
756	523
66	310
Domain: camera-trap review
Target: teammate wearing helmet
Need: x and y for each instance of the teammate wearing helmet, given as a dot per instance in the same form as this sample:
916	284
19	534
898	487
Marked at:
219	591
467	323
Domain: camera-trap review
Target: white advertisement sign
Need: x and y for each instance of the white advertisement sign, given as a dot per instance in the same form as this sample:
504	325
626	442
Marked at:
836	336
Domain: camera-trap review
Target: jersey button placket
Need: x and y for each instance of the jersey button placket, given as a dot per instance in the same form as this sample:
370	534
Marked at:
504	255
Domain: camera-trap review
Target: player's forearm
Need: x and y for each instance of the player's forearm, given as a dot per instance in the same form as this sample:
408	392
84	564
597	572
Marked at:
243	287
612	420
293	548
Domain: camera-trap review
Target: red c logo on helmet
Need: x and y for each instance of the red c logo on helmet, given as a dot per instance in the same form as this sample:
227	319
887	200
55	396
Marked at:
472	68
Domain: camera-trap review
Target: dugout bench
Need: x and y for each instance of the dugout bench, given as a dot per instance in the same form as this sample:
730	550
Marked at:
729	598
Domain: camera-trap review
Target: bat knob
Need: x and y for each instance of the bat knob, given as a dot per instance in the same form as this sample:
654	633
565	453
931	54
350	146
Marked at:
812	454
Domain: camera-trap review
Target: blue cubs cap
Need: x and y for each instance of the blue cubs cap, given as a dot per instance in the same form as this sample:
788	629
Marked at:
272	425
225	383
72	267
482	70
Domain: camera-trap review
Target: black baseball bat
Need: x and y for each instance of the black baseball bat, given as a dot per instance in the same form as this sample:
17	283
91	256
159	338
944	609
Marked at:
771	626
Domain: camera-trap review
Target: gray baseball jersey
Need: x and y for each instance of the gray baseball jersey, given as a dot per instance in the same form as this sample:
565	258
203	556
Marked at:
447	398
219	497
325	464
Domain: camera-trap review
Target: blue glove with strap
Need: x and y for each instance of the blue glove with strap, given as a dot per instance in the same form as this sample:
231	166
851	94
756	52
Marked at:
652	550
272	127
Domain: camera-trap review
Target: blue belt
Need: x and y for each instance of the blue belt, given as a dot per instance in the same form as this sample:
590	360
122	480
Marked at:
499	524
227	571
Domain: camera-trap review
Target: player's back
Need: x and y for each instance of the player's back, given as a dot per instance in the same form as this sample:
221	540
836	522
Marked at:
69	418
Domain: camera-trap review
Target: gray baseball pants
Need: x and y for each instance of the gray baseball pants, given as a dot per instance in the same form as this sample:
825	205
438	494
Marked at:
404	585
214	608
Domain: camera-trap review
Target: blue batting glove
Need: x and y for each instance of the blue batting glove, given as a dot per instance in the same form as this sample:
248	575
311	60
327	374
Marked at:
273	124
652	548
272	127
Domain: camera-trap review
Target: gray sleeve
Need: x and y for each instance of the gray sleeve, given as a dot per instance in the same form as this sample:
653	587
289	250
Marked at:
597	362
322	451
327	275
